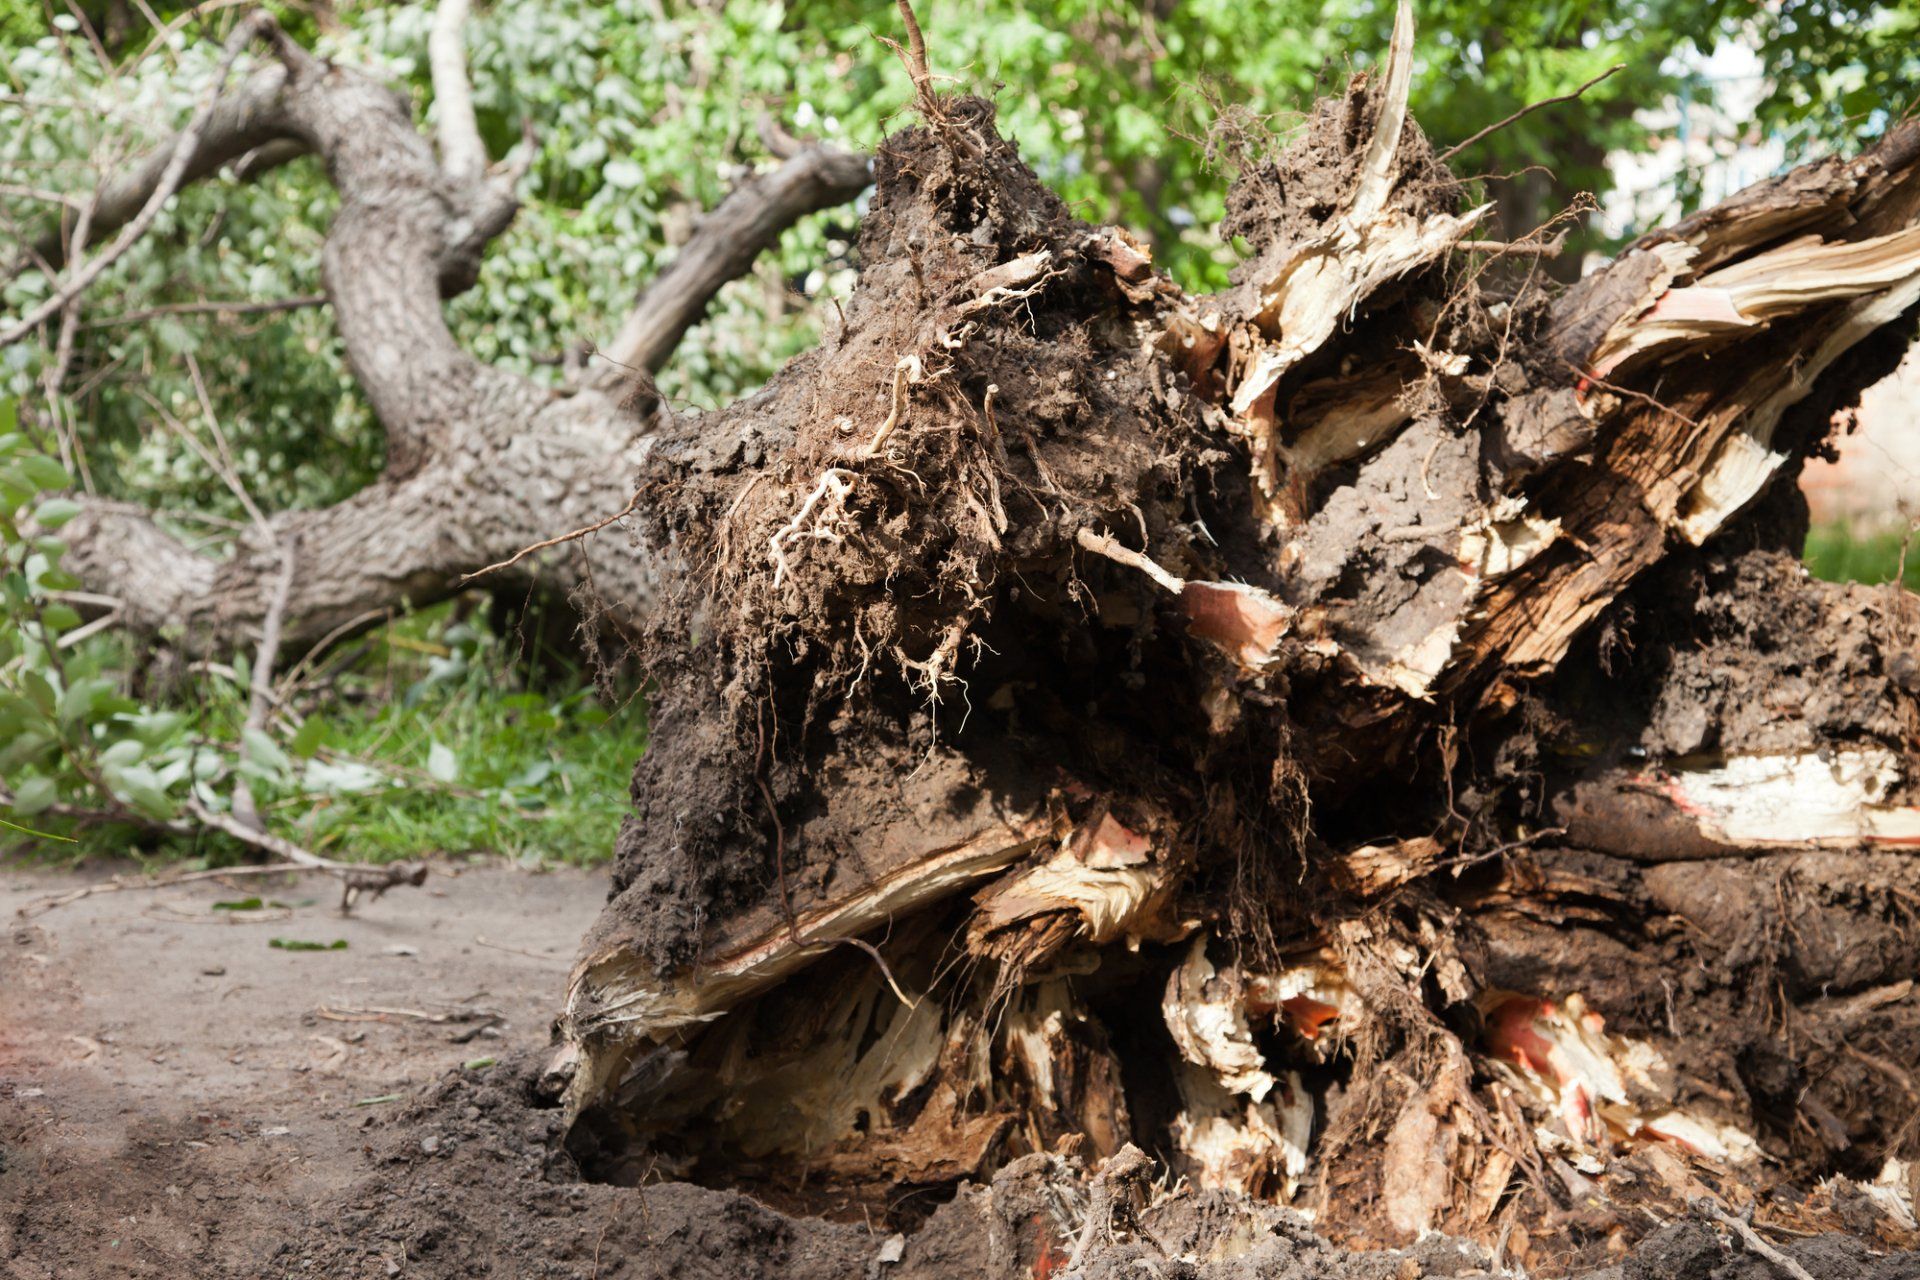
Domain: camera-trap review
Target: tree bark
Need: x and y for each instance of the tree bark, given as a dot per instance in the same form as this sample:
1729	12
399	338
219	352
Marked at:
1363	737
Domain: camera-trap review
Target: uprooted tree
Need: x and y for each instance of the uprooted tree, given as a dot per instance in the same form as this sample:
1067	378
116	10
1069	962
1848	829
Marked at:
1363	737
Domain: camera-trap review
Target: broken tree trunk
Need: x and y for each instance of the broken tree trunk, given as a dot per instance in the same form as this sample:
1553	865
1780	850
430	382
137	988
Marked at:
1363	737
481	463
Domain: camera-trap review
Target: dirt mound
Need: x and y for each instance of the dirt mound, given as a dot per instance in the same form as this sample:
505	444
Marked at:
473	1180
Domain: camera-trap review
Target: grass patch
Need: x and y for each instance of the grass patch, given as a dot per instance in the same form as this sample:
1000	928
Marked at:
531	775
1837	554
433	736
486	747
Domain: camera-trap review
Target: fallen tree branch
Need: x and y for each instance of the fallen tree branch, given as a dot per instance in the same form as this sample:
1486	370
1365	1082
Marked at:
738	230
462	154
120	884
355	878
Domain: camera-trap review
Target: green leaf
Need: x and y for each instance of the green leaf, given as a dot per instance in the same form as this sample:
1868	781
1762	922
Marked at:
35	795
532	774
297	944
312	735
58	618
123	752
55	512
239	904
44	472
344	777
155	727
80	700
140	787
38	691
262	750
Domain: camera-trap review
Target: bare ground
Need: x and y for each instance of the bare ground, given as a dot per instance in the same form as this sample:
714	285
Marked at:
173	1100
180	1098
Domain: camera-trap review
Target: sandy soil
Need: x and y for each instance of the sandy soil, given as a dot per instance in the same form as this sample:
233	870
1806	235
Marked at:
178	1097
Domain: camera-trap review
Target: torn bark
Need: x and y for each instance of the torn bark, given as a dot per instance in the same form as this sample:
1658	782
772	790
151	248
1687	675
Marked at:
480	462
1262	727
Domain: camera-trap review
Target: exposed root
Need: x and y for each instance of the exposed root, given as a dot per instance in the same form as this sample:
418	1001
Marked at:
832	489
905	371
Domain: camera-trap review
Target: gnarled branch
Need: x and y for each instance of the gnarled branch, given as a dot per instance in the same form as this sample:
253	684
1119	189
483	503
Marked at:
740	229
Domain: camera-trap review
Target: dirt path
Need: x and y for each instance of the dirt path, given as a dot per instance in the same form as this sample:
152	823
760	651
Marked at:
175	1097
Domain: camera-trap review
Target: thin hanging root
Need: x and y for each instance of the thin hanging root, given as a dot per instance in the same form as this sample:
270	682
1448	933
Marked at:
1101	545
885	972
938	664
834	486
904	372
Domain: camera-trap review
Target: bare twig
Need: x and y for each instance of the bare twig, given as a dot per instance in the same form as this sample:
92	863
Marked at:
519	951
183	148
121	883
1458	147
260	691
105	622
1516	248
575	536
354	879
1583	376
38	193
1753	1239
55	378
211	309
382	1013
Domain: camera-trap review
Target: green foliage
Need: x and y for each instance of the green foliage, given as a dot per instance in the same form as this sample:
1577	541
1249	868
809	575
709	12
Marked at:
66	727
1838	72
1838	553
645	113
431	743
470	757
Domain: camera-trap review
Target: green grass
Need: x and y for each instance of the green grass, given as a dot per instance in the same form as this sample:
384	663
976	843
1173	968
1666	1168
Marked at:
1837	554
493	751
530	775
440	738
